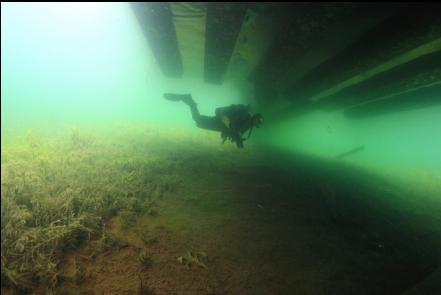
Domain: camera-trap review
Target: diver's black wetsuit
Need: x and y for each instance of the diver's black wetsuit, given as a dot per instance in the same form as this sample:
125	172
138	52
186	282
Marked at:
205	122
231	121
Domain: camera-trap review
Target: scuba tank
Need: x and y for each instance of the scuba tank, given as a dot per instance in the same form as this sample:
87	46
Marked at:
235	118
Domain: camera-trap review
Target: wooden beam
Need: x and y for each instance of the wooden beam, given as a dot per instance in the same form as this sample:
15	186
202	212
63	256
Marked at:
333	39
411	55
398	40
257	33
189	20
157	25
309	35
419	97
224	22
419	72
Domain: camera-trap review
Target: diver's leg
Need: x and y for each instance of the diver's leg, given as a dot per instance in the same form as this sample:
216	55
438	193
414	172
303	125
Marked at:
209	123
194	109
188	100
204	122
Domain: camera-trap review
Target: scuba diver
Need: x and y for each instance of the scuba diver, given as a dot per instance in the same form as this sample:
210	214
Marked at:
232	121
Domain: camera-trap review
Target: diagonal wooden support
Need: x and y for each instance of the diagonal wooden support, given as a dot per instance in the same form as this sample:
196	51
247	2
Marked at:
398	40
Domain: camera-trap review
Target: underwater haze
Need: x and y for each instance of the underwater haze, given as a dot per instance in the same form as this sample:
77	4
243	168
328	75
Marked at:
73	63
108	188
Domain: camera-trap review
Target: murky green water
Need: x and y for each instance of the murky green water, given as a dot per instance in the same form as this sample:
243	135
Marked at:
109	188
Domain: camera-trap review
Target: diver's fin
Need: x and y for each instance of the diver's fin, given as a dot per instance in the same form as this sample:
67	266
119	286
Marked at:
176	97
186	98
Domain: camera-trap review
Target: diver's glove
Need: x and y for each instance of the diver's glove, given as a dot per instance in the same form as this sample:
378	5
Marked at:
239	143
236	138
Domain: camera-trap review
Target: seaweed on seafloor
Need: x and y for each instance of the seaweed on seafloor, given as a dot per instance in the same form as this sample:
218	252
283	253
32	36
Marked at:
39	250
143	288
109	242
127	217
134	208
56	194
150	209
146	239
53	291
80	140
145	258
79	275
193	258
211	291
40	219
